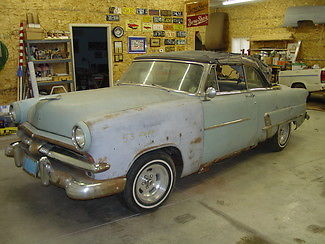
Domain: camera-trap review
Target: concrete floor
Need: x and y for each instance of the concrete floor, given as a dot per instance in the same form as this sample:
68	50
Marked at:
257	197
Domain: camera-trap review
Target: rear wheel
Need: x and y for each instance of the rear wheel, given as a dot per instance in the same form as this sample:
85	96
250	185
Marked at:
280	140
149	182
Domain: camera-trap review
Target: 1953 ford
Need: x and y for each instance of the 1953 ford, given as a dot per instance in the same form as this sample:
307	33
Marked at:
169	116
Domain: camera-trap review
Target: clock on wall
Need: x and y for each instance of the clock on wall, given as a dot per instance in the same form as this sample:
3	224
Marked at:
118	31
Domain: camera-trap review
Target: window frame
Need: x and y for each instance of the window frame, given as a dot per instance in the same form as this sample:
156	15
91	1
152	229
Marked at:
261	76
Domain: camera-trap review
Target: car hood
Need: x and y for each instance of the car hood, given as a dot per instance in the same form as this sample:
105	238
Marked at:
60	115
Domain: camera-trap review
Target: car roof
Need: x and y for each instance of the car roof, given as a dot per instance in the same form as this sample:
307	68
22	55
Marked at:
200	56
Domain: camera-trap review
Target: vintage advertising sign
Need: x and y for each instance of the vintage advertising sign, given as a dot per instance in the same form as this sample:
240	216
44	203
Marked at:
180	41
159	33
165	12
146	26
180	33
133	25
157	19
137	44
198	7
179	27
157	27
198	20
128	10
114	10
177	13
168	27
170	49
112	17
142	11
170	41
167	20
178	20
153	12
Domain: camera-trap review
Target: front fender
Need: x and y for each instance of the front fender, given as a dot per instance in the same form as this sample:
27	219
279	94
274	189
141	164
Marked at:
122	137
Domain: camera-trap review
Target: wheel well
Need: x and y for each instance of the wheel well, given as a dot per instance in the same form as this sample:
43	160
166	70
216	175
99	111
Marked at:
298	85
175	154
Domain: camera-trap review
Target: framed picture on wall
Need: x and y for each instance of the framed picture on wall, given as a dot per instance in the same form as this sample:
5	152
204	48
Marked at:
118	47
154	42
137	44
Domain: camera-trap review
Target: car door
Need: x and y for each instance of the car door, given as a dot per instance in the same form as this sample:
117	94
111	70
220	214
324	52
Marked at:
229	117
265	97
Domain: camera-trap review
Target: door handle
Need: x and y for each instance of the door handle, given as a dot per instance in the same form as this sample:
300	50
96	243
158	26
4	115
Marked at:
250	95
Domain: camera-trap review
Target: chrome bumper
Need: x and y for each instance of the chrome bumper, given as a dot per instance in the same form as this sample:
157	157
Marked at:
75	182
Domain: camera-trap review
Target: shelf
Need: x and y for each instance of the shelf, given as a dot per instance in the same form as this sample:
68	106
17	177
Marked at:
47	41
270	49
49	61
54	83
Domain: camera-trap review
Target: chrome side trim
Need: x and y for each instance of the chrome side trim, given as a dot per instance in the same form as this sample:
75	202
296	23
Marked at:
227	123
269	126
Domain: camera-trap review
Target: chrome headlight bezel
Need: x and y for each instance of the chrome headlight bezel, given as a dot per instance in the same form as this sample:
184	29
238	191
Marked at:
81	130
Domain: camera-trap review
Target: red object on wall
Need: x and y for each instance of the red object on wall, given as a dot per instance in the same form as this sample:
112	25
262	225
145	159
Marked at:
198	20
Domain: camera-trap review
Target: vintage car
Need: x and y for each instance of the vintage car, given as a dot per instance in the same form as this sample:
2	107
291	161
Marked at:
169	116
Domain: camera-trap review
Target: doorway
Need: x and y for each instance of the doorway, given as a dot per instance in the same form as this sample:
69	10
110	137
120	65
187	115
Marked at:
92	58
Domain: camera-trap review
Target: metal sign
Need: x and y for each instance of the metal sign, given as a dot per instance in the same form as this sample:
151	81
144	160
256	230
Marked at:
195	8
198	20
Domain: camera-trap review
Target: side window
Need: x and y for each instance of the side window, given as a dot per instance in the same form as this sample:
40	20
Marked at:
231	77
212	79
254	79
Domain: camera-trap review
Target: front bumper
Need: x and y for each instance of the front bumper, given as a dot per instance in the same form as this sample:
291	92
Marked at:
75	182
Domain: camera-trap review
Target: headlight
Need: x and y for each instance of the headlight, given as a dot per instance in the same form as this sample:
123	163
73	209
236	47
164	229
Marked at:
78	137
81	137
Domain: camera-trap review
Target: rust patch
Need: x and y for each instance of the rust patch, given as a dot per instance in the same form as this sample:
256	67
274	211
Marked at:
196	140
105	117
103	160
150	149
316	228
205	167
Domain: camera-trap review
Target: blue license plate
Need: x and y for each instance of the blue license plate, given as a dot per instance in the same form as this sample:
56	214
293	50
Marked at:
31	166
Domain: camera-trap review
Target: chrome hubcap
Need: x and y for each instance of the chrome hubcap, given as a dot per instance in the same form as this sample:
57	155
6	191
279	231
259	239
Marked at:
152	183
283	133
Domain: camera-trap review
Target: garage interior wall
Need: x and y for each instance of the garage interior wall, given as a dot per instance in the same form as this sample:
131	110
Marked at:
264	17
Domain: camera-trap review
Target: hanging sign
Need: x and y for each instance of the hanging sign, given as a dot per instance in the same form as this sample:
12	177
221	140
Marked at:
195	8
198	20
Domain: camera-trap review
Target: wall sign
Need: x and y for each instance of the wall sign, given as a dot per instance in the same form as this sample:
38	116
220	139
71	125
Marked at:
178	20
111	17
158	33
165	12
118	47
142	11
114	10
198	20
157	27
118	58
195	8
118	31
170	41
146	26
157	19
128	10
167	20
180	41
133	25
153	12
137	44
180	33
179	27
177	13
154	42
168	27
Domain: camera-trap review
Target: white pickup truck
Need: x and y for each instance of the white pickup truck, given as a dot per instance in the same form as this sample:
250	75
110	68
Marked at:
310	79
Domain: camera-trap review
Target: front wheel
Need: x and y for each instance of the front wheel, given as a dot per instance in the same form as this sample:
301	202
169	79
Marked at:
149	182
280	140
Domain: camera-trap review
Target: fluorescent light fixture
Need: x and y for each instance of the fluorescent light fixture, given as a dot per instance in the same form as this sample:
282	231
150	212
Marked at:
228	2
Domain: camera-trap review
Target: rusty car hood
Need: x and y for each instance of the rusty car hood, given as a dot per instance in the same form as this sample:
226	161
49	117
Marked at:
58	114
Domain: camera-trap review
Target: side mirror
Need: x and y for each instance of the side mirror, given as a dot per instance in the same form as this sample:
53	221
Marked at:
210	93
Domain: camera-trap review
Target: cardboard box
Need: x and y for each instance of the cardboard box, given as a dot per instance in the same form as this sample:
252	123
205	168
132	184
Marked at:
268	60
34	34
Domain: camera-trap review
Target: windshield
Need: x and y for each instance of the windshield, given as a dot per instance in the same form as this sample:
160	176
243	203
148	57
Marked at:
174	75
